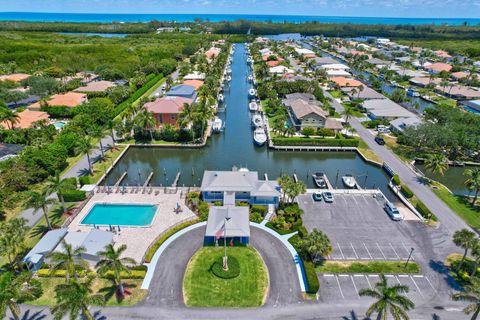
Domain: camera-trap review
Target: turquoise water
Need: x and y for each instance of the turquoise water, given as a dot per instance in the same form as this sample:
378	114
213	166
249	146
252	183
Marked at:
59	125
106	17
120	215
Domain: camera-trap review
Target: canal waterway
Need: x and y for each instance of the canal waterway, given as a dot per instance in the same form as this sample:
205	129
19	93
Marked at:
235	147
453	178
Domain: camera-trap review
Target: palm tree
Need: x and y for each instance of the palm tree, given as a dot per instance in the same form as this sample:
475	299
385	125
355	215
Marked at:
470	294
465	239
111	124
55	184
187	115
15	290
146	121
97	132
74	298
84	145
473	181
436	163
389	300
111	261
295	189
68	259
283	181
9	116
37	200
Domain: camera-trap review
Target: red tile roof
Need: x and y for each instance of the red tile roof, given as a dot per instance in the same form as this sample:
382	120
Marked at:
27	118
167	105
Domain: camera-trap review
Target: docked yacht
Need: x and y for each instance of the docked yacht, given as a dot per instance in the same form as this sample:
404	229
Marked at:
259	137
250	78
349	181
217	125
252	92
253	106
221	98
228	78
257	121
319	179
412	93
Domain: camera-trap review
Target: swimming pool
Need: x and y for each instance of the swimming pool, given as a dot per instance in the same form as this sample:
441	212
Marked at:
59	125
133	215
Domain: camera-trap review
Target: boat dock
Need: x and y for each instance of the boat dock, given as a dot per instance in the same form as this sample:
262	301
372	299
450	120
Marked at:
120	179
177	178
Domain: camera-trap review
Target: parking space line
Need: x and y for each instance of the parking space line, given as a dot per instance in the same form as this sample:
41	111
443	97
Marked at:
369	284
368	251
340	287
338	244
381	251
418	276
356	203
418	288
355	286
394	250
356	255
405	292
434	290
329	275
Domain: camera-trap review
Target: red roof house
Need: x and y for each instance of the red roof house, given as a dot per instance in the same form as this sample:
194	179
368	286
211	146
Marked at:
166	109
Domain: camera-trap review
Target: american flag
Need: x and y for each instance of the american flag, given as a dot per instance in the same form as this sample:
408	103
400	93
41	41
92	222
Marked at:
220	231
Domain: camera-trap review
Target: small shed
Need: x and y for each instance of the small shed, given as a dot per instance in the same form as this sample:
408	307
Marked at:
235	230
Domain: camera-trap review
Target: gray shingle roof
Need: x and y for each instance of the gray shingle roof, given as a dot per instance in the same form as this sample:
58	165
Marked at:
46	245
238	181
237	226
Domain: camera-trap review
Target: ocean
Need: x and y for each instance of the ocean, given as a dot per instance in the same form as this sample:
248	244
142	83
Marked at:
106	17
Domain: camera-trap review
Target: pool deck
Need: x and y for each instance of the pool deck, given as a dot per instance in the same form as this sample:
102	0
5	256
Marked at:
138	239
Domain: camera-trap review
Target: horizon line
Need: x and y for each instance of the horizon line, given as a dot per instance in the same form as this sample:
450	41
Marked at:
240	14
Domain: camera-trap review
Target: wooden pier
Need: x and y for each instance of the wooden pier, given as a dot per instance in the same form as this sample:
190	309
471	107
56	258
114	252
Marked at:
120	179
177	178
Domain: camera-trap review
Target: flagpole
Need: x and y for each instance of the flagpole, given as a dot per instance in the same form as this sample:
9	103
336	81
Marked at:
225	258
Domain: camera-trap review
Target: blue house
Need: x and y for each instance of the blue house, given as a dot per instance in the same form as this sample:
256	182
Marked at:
241	185
183	90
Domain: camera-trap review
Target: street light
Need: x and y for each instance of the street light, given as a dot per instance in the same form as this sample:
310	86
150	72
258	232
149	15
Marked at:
409	257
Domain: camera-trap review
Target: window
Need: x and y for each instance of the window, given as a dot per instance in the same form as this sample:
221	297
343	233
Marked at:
173	117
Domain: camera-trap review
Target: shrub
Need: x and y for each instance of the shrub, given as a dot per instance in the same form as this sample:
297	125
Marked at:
262	210
308	131
302	231
396	180
256	217
311	276
325	132
134	274
316	142
424	211
70	181
83	180
406	192
296	242
203	210
233	268
73	195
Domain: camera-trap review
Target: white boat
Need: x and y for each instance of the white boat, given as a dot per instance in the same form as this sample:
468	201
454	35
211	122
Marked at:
249	60
253	106
221	97
229	71
228	78
259	137
252	92
319	179
349	181
250	78
412	92
217	125
257	121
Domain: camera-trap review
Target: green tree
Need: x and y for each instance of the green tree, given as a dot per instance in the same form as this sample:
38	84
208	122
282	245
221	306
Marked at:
75	298
15	290
146	121
13	234
9	116
436	163
84	146
390	300
55	184
471	294
68	259
295	189
316	245
37	201
97	132
284	181
111	260
187	116
473	181
465	239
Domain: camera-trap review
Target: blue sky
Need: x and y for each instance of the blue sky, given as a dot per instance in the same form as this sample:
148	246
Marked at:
374	8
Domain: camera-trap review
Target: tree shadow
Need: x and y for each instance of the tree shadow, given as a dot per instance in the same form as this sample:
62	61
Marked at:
353	316
39	315
443	270
111	290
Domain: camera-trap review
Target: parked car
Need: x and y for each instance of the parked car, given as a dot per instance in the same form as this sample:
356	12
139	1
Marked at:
317	196
383	129
392	211
379	140
327	196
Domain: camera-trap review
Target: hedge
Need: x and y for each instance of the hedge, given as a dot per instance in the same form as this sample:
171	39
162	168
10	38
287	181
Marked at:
406	192
233	268
73	195
260	209
424	211
315	142
134	274
396	180
83	180
70	181
311	276
137	94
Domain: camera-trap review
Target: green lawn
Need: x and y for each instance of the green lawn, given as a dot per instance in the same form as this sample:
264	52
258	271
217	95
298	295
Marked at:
201	288
465	210
102	286
100	167
368	153
374	267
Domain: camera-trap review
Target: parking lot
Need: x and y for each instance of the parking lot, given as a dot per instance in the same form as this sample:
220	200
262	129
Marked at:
346	286
358	227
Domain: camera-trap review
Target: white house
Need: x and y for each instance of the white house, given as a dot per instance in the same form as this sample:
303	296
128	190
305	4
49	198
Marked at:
280	70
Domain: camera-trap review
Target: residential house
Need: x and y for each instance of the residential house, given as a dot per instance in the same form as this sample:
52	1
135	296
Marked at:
442	54
212	53
36	256
280	70
26	119
23	102
424	81
195	75
438	67
228	222
337	73
166	109
8	151
96	86
345	82
305	52
318	62
400	124
378	63
459	92
182	90
69	99
385	109
165	29
366	93
197	84
15	77
239	185
460	75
